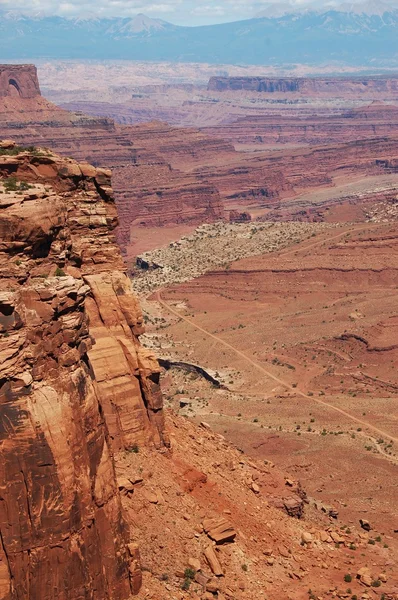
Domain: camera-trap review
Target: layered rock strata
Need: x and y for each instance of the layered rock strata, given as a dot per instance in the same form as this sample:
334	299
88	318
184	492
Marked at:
151	151
306	127
306	85
75	384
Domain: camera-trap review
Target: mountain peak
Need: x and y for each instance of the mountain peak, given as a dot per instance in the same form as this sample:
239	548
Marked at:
274	10
143	24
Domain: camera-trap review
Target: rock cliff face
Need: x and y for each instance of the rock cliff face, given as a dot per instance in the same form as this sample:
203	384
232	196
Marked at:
75	384
304	127
19	81
305	85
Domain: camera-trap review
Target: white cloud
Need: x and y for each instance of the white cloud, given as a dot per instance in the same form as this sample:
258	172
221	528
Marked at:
208	9
179	11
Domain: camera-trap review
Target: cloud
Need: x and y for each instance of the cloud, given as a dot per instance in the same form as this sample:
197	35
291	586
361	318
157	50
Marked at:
101	8
209	9
189	12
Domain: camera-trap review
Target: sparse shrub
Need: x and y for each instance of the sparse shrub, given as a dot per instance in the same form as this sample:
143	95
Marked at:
376	583
186	584
59	272
245	568
189	573
11	184
347	578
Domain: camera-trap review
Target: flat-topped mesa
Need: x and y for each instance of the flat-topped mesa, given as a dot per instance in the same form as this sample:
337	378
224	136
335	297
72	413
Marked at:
306	85
75	383
19	81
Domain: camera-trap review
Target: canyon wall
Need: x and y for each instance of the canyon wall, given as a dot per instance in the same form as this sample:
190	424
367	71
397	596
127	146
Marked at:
305	127
305	85
166	194
75	384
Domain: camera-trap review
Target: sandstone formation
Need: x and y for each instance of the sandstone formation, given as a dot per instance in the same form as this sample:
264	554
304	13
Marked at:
19	81
75	384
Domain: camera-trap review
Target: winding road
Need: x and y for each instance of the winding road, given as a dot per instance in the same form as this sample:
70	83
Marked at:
263	370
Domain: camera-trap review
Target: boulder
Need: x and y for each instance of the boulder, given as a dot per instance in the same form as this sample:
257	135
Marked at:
213	561
220	530
365	524
194	563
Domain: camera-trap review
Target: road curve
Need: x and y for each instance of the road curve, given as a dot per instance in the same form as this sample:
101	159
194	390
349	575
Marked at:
260	368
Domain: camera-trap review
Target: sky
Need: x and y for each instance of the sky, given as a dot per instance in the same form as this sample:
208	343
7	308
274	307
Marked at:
180	12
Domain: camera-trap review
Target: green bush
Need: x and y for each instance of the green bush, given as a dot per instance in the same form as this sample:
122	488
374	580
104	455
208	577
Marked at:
347	578
11	184
59	272
189	573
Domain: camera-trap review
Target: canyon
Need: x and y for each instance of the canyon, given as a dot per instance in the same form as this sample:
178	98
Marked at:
252	254
103	495
172	177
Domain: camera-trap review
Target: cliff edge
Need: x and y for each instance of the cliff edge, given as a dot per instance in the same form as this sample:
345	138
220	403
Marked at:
75	384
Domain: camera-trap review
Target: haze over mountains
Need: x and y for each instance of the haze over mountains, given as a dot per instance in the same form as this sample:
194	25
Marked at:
353	34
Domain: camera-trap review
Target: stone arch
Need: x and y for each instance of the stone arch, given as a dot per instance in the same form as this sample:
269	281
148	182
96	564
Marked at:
13	88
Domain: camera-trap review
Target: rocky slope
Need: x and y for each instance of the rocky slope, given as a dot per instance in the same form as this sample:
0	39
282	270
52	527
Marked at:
76	385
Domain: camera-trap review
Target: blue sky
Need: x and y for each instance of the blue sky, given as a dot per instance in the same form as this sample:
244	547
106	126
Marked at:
181	12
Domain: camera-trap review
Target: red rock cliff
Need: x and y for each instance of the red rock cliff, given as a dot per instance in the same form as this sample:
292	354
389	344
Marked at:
75	383
19	80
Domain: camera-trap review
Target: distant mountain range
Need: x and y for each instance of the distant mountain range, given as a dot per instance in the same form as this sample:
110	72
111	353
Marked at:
353	34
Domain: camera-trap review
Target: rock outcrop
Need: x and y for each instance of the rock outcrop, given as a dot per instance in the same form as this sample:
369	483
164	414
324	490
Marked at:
19	81
75	384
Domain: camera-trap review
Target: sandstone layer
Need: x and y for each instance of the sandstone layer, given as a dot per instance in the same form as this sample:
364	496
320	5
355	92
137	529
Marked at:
310	126
76	385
